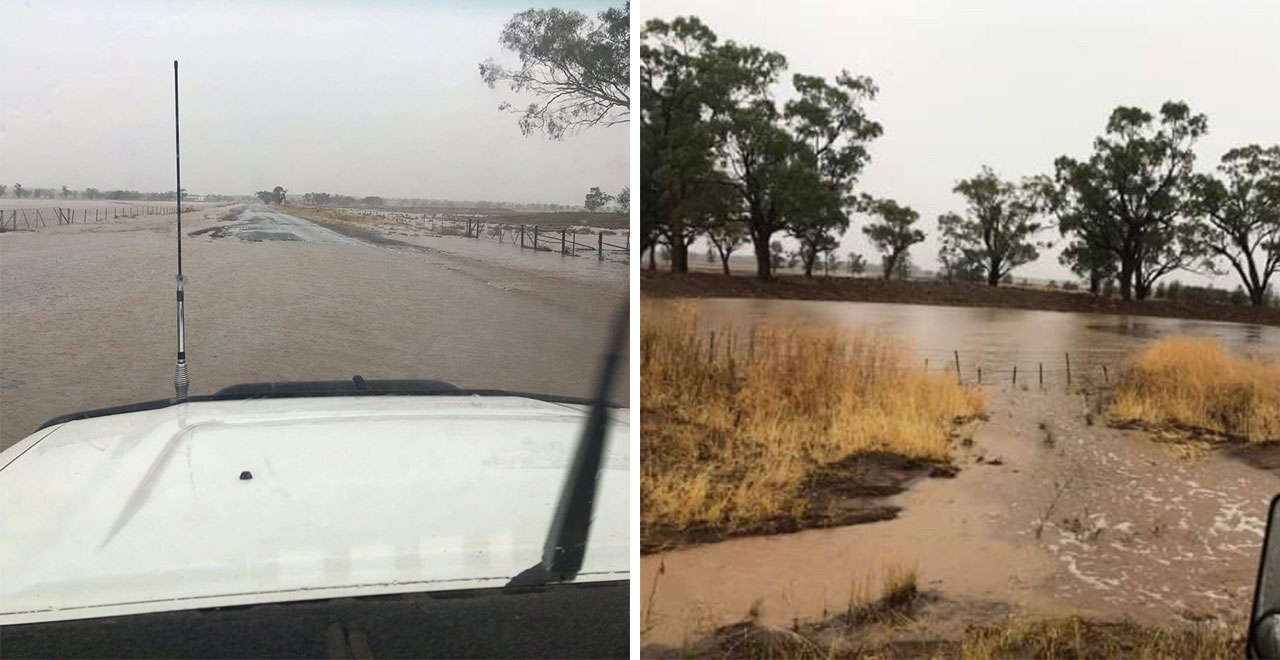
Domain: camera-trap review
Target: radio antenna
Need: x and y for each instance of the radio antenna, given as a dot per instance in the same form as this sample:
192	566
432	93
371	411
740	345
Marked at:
180	381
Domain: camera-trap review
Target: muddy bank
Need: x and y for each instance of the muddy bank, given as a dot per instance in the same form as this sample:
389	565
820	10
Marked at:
851	491
1052	514
960	294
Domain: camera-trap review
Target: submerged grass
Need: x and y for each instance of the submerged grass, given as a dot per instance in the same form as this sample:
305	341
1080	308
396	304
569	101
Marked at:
1196	383
731	426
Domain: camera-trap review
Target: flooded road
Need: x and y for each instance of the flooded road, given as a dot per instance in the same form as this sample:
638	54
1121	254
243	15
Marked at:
261	223
1051	513
87	318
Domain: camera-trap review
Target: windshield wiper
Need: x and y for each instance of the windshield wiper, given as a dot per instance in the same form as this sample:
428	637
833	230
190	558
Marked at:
566	543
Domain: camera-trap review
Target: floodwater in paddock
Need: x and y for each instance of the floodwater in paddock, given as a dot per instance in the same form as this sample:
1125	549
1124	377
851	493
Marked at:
995	339
1052	512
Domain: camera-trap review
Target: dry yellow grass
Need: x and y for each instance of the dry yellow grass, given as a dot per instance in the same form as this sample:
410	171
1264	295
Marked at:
726	441
1196	383
1077	637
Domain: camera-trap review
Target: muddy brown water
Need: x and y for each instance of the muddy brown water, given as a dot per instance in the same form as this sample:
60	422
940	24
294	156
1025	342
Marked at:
1051	513
87	316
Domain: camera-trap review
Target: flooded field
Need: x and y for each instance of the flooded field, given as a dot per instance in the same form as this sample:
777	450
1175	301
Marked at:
87	319
1051	513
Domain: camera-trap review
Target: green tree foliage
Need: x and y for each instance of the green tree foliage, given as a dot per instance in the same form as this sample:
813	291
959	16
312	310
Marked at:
624	200
710	119
1131	197
278	195
723	224
266	196
18	190
676	141
998	229
578	69
1240	212
596	200
893	235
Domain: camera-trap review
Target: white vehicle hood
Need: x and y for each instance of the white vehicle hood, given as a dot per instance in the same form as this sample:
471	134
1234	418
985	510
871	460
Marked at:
349	496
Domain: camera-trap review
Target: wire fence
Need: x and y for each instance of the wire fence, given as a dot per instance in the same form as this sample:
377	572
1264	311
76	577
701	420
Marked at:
1090	367
566	241
31	219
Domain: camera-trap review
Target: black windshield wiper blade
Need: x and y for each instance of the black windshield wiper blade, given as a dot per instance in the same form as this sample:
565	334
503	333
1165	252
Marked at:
566	543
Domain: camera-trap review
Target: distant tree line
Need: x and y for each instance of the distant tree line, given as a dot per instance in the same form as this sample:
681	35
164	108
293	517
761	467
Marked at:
722	159
18	191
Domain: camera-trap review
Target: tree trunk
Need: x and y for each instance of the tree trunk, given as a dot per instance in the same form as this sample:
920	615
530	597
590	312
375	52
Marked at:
724	259
1126	279
890	262
764	262
1095	281
679	257
1257	296
653	257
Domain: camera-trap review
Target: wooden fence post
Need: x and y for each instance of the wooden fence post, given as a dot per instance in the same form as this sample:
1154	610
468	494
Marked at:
1068	368
1106	378
521	235
600	245
958	378
1015	374
1041	374
979	374
535	237
711	354
563	246
575	243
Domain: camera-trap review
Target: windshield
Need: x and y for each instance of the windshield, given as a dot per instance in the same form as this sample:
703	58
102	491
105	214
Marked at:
360	197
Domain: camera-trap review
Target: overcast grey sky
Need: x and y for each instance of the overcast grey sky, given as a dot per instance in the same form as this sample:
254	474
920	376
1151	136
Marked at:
1015	83
357	98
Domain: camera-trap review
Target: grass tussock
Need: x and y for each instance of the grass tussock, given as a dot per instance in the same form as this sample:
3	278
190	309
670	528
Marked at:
1077	637
889	600
731	426
1196	383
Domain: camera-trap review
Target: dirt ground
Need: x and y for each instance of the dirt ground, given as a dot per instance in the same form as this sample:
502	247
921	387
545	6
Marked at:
708	285
87	316
1051	514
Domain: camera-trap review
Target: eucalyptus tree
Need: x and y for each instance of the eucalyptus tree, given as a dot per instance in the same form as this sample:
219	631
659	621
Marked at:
832	131
1240	212
893	235
676	137
578	69
1132	197
997	232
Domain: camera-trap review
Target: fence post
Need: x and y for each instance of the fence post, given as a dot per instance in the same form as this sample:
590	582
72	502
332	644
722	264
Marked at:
711	354
1015	374
535	237
575	243
1106	378
979	374
563	246
1041	374
600	245
1068	368
958	379
522	234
